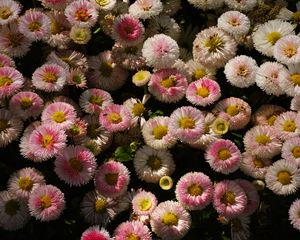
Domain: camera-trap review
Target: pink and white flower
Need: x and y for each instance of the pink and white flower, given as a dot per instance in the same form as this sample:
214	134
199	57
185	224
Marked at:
11	81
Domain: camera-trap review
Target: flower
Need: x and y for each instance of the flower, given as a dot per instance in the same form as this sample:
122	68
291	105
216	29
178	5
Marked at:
267	114
137	109
206	4
294	214
287	50
213	47
9	11
94	233
75	165
170	220
194	191
55	4
289	80
287	125
291	150
143	203
22	182
197	71
106	5
46	203
229	199
203	92
11	81
168	85
223	156
132	230
219	126
288	15
151	164
13	211
243	6
240	71
77	78
80	35
166	183
160	51
112	179
6	61
141	78
145	9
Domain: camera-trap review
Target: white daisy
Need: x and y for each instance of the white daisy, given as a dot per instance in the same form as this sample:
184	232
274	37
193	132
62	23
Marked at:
145	9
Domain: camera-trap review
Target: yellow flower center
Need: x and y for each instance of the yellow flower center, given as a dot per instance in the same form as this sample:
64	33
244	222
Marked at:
271	120
154	162
5	81
258	163
100	205
47	140
3	124
111	178
232	110
74	130
220	126
11	207
284	177
102	3
132	236
169	219
50	77
145	204
296	151
138	109
186	122
243	71
168	82
289	126
114	117
224	154
290	51
214	43
203	92
56	27
195	190
106	69
82	15
160	131
199	73
295	78
76	164
5	12
141	76
26	103
296	17
96	100
166	182
58	117
263	139
34	26
273	37
45	201
81	34
25	183
228	198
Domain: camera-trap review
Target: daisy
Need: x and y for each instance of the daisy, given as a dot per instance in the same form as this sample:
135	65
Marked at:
80	35
77	78
97	209
289	80
144	9
22	182
55	4
143	203
137	109
77	131
294	214
206	4
46	203
160	51
112	179
170	220
291	150
26	104
187	123
234	23
106	5
197	71
267	114
81	13
168	85
6	61
235	111
11	81
9	11
203	92
141	78
243	6
94	233
132	230
13	211
288	15
219	126
166	183
223	156
151	164
229	199
213	47
287	125
287	50
283	177
35	25
267	78
295	104
194	191
127	30
10	127
46	141
50	77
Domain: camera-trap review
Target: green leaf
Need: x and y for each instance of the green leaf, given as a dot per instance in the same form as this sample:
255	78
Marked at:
123	154
155	114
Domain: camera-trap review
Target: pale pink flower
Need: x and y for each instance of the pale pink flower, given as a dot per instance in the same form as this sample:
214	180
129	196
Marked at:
9	11
294	214
144	9
6	61
132	230
143	203
55	4
11	81
291	150
267	114
287	50
287	125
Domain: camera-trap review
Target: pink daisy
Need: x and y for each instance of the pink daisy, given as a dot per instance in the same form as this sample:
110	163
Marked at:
187	123
46	141
112	179
77	131
9	11
75	165
94	233
194	191
11	80
229	199
132	230
128	30
287	125
203	92
223	156
59	114
35	25
294	214
168	85
94	100
115	118
287	49
81	13
291	150
262	141
26	105
289	80
144	9
77	78
55	4
6	61
143	203
49	77
267	114
46	203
